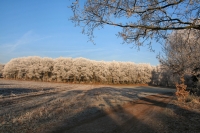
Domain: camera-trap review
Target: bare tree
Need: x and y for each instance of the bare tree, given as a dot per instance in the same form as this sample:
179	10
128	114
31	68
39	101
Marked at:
181	54
140	20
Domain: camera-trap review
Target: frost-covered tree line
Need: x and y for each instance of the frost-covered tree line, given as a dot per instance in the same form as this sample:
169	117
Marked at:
162	76
78	70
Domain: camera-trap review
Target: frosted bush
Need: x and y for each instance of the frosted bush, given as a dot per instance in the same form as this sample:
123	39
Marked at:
78	70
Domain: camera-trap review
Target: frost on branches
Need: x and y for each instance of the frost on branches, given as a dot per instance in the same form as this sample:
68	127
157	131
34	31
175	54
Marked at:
78	70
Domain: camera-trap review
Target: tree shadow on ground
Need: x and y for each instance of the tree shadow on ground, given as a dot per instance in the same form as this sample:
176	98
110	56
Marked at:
113	114
2	84
118	119
176	118
10	91
95	120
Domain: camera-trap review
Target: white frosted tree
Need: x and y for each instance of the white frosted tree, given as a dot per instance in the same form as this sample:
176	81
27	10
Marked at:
156	75
34	68
79	70
132	72
143	73
147	73
62	70
162	76
124	73
10	70
181	54
100	72
45	69
113	68
22	67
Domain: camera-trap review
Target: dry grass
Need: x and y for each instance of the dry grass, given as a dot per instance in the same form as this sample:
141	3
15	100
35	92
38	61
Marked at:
193	99
181	92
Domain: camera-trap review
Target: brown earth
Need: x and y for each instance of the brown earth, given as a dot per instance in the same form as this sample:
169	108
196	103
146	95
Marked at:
137	116
151	114
73	108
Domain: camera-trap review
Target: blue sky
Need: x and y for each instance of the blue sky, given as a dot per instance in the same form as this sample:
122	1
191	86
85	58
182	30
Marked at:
42	28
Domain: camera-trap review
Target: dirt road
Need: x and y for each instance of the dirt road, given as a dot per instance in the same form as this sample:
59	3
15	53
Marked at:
76	108
143	115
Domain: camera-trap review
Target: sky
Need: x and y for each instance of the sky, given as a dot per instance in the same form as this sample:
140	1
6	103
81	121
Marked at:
42	28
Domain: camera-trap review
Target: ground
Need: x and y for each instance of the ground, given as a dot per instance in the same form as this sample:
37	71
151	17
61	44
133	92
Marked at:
28	106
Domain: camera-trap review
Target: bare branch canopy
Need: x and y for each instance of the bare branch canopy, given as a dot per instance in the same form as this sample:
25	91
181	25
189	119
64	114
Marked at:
139	20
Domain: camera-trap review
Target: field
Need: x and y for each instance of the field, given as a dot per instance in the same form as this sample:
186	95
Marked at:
30	107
